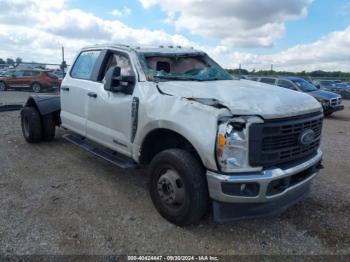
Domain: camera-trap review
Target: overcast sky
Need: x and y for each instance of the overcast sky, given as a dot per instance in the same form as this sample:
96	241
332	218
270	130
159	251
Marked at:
291	34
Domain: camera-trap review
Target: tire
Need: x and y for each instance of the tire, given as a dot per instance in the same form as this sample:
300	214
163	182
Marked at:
36	87
31	125
176	170
49	128
3	86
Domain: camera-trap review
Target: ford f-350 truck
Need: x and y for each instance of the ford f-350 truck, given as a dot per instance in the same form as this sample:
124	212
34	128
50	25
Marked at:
247	149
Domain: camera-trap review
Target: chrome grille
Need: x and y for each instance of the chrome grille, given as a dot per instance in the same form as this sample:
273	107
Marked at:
335	101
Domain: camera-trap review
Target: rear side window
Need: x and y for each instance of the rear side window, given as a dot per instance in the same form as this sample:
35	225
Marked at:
270	81
84	65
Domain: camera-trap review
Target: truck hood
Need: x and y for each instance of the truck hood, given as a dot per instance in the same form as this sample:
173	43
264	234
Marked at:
244	97
323	95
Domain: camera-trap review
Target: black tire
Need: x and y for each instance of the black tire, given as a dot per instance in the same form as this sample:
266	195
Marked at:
3	86
49	127
36	87
31	125
193	179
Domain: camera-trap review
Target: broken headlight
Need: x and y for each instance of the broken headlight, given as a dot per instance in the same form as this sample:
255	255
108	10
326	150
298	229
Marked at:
233	143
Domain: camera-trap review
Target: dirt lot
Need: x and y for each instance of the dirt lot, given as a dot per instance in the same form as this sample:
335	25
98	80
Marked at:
57	199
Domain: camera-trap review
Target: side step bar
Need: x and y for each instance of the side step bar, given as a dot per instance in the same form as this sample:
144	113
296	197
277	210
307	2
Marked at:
102	152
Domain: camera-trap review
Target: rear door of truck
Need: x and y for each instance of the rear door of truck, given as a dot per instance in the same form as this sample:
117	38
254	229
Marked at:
75	91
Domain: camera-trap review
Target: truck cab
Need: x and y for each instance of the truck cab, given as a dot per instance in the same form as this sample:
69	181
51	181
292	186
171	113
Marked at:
246	148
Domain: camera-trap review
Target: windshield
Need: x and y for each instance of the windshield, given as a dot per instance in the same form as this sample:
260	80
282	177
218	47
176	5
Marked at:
182	67
304	85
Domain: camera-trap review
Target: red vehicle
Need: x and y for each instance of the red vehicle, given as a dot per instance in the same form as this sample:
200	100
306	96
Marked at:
33	79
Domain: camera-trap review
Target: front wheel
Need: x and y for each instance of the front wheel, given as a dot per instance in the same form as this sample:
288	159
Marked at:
2	86
178	187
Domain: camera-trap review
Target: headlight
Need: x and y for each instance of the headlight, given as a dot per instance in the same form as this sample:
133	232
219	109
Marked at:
233	143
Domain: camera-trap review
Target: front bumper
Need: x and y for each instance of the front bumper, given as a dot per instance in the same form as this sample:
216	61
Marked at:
276	189
330	109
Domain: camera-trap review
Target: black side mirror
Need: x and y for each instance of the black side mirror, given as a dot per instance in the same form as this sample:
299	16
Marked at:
113	77
117	83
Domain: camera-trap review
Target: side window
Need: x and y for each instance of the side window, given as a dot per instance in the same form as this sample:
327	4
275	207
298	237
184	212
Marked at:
84	65
270	81
18	73
122	61
286	84
27	73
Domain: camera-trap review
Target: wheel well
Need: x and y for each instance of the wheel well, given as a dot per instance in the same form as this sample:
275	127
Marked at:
163	139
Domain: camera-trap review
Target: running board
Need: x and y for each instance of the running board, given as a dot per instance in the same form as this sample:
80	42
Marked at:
102	152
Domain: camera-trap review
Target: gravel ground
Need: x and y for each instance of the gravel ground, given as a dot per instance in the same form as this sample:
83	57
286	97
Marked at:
58	199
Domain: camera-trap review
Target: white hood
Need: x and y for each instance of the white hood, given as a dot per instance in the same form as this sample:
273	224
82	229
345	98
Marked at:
245	97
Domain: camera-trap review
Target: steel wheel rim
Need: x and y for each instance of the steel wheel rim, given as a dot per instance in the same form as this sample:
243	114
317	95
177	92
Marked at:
2	86
171	190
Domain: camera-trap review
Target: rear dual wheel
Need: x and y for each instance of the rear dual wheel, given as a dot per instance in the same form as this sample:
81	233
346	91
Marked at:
36	128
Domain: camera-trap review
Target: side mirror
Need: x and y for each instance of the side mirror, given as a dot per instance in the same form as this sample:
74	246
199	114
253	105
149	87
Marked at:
117	83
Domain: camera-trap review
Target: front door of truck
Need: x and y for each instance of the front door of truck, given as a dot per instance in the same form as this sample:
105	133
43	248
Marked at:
109	114
75	89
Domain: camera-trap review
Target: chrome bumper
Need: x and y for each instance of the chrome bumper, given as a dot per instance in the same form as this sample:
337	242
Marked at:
263	178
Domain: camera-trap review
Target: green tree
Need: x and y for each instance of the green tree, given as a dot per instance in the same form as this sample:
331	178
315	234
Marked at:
19	60
2	61
10	61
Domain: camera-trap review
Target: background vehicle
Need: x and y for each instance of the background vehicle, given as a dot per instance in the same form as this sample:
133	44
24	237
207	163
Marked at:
35	80
206	137
325	84
342	89
331	102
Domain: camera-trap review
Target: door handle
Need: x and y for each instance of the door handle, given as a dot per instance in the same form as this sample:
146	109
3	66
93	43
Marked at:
92	94
65	89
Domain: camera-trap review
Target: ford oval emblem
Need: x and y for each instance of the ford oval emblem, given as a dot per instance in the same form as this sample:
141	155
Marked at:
307	137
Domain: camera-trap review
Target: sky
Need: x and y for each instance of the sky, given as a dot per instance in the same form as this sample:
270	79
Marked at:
294	35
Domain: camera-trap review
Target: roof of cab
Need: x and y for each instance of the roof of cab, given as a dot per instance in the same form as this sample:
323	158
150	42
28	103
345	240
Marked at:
146	49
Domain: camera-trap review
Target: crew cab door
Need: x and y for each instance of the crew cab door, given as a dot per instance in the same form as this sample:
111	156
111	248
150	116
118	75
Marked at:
74	91
109	114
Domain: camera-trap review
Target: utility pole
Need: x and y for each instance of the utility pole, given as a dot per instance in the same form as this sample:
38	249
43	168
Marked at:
271	68
239	70
63	64
62	53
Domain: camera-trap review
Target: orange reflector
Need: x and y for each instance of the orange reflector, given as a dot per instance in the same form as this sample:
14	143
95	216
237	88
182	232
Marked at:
220	144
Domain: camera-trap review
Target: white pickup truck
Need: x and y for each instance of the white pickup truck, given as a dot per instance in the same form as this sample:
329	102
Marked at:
246	148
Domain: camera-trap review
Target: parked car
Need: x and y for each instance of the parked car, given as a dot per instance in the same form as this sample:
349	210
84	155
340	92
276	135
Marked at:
325	84
247	148
342	89
331	102
35	80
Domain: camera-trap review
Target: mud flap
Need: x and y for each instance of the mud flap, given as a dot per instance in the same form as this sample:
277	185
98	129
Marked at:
228	212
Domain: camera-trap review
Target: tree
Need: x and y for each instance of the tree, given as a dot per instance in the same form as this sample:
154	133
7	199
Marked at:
10	61
19	60
2	61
